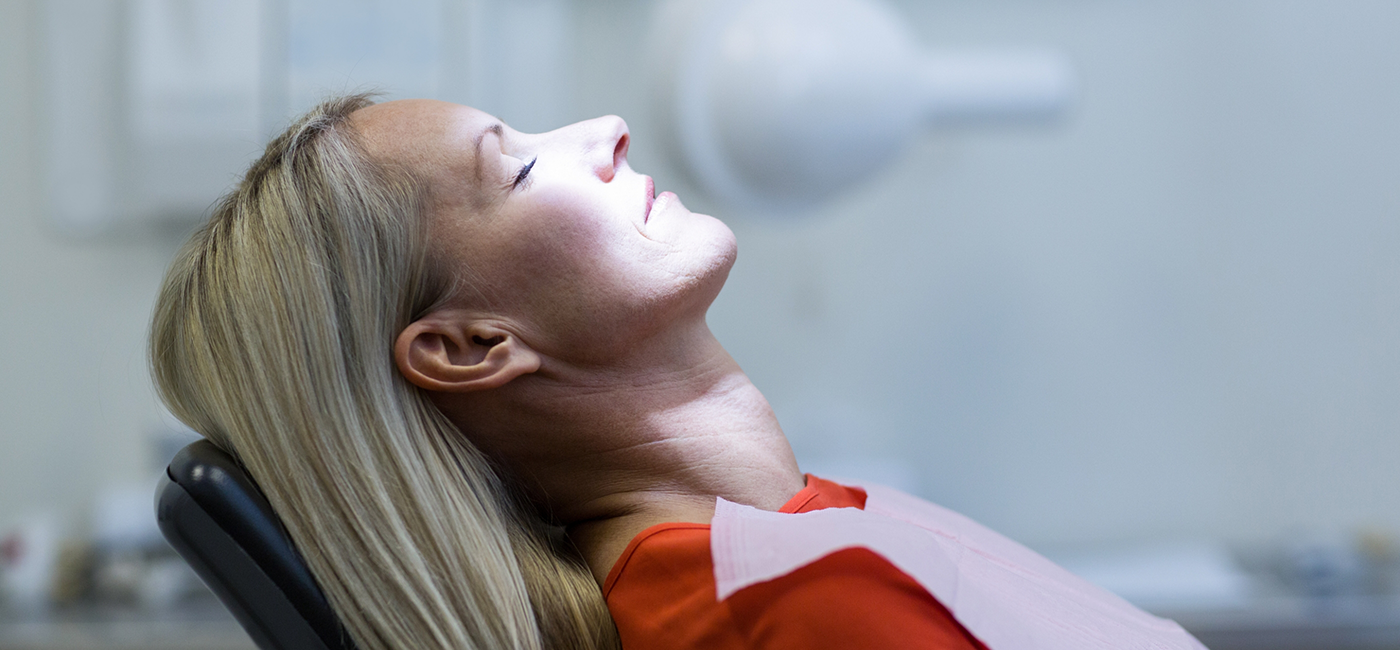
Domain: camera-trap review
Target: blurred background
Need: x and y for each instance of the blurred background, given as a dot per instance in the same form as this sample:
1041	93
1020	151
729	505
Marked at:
1156	336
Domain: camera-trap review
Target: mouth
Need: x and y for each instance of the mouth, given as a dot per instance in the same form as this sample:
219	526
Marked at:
651	198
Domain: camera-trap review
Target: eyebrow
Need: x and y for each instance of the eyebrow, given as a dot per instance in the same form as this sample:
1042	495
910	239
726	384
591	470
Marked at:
500	132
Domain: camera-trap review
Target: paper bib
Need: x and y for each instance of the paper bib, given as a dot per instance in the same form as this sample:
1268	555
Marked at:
1005	594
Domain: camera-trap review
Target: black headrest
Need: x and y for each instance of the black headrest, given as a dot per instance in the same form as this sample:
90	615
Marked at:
219	521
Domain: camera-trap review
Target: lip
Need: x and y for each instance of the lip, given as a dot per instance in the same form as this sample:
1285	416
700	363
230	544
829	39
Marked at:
651	198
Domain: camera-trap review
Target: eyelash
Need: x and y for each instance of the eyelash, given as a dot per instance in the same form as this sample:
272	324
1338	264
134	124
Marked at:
524	173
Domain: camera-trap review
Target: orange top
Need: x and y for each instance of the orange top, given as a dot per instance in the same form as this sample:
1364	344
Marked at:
662	595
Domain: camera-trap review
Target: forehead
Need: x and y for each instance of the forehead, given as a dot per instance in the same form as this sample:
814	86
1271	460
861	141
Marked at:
437	141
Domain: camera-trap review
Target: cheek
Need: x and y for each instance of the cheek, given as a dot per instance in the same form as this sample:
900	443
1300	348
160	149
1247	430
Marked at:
574	238
565	262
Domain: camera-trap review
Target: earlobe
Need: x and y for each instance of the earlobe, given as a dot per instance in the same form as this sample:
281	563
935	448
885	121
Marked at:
445	353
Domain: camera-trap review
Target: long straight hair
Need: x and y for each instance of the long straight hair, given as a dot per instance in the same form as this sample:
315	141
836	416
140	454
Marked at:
273	335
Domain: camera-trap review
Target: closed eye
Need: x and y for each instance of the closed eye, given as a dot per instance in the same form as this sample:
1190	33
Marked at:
524	173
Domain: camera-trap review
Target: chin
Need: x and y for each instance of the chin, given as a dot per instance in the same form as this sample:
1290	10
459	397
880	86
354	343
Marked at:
724	248
723	251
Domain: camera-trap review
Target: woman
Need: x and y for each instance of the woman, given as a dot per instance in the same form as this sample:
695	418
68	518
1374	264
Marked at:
470	368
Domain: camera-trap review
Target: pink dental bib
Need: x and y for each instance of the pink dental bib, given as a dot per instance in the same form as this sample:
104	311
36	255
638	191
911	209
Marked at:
1006	595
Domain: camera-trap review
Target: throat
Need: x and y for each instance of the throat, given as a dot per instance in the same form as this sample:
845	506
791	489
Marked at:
608	454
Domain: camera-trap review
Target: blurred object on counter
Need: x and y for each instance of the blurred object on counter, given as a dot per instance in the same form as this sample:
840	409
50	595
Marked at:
72	581
28	555
131	561
1324	566
1167	576
1303	591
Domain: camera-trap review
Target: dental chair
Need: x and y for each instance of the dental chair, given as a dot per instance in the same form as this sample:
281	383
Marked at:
210	510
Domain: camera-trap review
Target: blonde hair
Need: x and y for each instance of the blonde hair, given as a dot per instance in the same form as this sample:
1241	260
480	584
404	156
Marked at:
273	336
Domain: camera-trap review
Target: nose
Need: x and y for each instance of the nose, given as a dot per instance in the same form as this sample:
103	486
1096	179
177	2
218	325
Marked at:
607	147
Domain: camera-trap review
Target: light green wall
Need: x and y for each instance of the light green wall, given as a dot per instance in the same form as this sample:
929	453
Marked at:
76	408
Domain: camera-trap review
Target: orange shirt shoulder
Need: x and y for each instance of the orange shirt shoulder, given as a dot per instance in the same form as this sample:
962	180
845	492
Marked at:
661	593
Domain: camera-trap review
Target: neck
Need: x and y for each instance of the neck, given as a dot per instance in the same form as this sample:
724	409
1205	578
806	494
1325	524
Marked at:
654	438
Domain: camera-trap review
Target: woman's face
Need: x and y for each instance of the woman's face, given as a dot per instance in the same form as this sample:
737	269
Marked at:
553	233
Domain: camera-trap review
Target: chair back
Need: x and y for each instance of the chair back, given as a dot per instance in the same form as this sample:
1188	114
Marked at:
218	520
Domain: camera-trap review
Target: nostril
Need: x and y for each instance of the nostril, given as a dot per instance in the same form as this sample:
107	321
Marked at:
620	151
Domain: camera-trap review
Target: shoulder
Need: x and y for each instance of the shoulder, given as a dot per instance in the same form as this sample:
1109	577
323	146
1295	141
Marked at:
662	594
851	598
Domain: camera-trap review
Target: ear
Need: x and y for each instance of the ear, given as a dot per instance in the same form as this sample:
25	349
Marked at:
449	352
